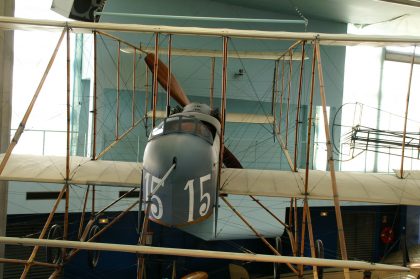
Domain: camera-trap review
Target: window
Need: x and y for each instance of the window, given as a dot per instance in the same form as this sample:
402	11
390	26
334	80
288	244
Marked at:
43	195
320	159
377	80
134	194
183	124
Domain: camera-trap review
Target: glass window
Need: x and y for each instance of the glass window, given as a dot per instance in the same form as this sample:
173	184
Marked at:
158	130
188	125
183	124
172	125
378	78
204	131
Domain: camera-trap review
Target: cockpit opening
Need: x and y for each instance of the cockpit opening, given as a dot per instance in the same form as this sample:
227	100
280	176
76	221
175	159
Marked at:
184	124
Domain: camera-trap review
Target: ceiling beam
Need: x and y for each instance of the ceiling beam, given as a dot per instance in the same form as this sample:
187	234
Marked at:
323	38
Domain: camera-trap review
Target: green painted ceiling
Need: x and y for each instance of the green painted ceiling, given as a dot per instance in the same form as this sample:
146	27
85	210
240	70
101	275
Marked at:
347	11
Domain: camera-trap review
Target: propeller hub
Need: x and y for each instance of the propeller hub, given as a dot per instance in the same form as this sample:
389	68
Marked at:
196	107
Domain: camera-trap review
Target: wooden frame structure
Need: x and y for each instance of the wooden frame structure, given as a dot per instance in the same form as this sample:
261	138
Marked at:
292	228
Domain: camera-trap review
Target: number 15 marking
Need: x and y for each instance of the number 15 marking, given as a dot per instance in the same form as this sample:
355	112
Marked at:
204	207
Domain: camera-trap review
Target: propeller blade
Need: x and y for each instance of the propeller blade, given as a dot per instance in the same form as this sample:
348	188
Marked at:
179	95
230	160
175	89
196	275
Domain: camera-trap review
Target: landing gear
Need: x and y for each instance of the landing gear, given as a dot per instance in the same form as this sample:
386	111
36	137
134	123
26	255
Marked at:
279	247
319	252
93	256
54	254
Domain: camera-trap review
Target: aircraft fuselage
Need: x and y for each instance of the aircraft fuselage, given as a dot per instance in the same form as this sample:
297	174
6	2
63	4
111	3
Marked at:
189	139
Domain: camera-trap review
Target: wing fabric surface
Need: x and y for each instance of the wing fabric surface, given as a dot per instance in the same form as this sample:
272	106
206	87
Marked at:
52	169
358	187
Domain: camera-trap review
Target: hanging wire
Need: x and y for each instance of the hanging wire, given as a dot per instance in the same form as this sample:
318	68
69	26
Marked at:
298	11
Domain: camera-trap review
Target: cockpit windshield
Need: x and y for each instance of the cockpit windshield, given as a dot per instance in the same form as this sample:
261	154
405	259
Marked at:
183	124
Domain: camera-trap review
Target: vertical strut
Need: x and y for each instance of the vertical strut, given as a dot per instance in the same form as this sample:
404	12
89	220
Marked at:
95	113
133	99
302	61
406	112
295	225
290	213
117	117
308	152
213	61
66	210
82	217
146	91
155	79
223	107
275	90
93	199
331	163
68	104
288	97
306	213
311	238
168	88
302	238
281	95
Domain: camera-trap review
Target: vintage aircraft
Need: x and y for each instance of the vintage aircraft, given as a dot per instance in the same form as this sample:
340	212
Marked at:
182	180
189	141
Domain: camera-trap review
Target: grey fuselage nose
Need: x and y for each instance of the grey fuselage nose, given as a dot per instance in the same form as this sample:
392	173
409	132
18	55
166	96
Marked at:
188	194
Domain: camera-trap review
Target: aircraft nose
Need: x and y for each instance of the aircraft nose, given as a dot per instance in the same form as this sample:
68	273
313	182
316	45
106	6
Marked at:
192	154
188	193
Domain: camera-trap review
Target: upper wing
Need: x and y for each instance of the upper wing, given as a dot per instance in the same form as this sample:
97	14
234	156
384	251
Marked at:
327	39
52	169
361	187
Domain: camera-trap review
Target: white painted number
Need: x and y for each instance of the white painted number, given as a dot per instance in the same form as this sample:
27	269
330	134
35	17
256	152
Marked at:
156	208
190	186
204	208
204	197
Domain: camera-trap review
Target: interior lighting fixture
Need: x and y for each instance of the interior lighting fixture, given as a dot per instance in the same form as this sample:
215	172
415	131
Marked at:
103	220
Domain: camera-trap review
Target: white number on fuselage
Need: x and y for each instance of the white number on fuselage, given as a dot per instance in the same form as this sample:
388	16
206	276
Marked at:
204	207
156	208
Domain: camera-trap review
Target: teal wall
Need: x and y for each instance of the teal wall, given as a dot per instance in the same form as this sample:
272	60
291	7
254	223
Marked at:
250	93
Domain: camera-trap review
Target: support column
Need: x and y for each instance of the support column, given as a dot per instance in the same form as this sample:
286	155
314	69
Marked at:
7	8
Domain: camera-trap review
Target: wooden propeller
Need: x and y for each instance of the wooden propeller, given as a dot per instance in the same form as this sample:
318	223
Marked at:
181	98
196	275
162	76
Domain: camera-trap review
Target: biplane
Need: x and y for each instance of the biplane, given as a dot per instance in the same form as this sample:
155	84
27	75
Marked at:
187	170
